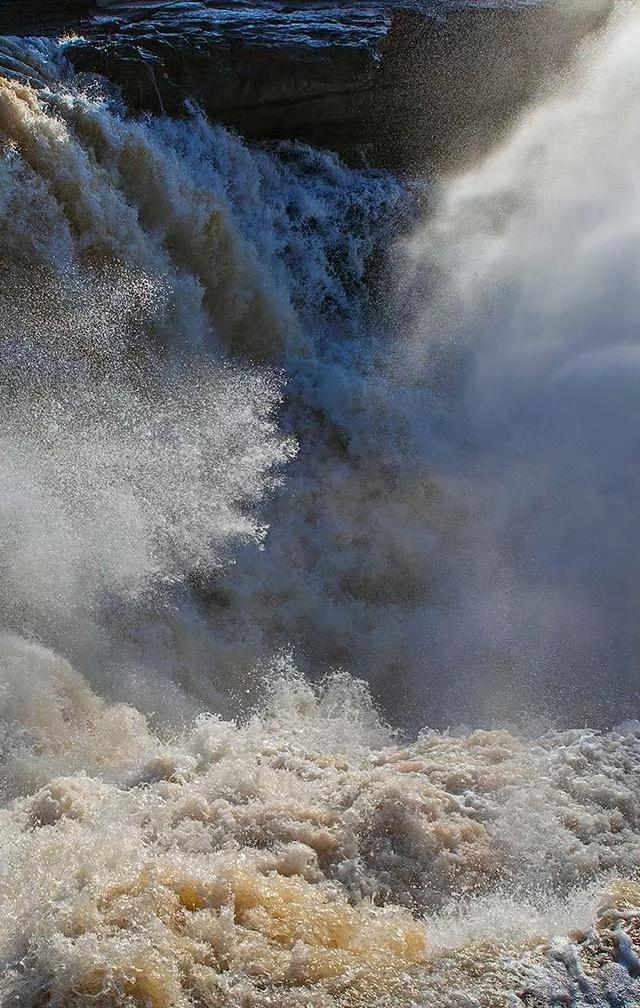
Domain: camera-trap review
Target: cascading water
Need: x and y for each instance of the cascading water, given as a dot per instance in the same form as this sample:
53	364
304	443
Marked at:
256	441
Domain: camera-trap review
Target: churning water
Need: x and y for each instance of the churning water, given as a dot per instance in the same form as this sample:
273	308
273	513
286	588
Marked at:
272	429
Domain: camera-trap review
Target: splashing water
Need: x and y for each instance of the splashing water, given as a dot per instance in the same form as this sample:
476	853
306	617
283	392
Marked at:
226	437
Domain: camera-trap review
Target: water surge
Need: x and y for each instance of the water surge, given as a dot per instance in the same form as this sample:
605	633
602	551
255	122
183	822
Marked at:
296	459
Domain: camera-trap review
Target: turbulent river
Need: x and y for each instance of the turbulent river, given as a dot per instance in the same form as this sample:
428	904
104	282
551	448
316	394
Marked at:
295	460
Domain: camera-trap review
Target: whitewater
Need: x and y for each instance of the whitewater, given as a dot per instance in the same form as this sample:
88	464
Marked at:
318	500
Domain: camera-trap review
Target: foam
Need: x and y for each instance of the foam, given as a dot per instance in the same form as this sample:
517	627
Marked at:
303	853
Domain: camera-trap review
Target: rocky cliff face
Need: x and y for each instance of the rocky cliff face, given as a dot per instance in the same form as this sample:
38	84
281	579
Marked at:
269	72
396	85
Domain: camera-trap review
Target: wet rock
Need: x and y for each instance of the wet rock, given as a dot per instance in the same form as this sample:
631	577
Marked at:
399	85
391	87
269	72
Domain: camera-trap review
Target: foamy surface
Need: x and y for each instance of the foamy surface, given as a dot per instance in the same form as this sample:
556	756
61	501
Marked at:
305	856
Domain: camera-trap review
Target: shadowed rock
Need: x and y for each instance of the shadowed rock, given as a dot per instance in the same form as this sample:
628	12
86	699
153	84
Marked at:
396	85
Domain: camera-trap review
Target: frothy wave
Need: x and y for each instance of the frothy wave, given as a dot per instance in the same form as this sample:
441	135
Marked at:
288	859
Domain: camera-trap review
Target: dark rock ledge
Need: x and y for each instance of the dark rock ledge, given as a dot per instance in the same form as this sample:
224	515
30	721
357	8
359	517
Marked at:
399	85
